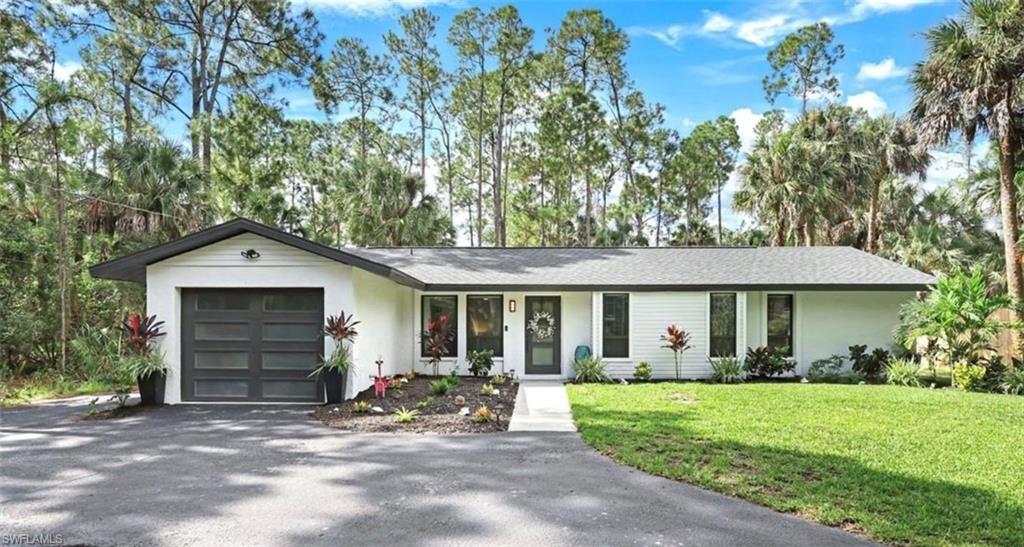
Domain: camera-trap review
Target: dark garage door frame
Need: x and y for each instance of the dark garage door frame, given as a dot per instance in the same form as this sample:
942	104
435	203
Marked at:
239	331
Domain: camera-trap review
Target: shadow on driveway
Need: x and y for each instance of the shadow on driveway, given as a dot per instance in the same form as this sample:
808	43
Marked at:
272	476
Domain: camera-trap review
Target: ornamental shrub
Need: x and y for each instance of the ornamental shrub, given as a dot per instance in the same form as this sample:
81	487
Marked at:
642	371
766	362
727	370
902	372
589	371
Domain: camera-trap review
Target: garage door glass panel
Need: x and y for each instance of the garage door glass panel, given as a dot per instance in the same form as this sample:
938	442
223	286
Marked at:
222	388
291	302
289	389
222	331
290	360
291	331
222	301
222	359
251	344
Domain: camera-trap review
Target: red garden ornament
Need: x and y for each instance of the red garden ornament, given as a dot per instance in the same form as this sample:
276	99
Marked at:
380	381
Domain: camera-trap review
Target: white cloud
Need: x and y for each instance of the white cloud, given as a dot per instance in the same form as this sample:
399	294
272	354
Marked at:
764	28
869	101
863	8
62	70
369	8
746	124
727	72
949	165
764	32
882	70
670	36
716	22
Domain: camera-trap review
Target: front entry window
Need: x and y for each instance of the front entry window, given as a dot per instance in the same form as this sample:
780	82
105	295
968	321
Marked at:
433	308
484	323
723	324
780	323
615	325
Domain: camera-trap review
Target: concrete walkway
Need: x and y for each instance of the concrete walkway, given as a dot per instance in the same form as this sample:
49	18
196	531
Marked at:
542	405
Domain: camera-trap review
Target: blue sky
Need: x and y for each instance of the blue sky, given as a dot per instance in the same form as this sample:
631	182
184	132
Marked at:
699	59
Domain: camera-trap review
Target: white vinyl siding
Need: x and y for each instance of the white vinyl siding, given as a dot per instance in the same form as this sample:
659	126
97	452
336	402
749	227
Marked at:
228	254
652	313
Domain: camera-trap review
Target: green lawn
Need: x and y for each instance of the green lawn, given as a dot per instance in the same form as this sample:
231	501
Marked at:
35	388
901	465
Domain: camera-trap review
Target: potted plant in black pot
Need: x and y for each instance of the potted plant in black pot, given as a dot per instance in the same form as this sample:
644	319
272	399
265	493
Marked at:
142	361
333	370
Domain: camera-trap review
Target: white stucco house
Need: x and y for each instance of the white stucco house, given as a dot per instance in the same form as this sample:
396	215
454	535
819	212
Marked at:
244	305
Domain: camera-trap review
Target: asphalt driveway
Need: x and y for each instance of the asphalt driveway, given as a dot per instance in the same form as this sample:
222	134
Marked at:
235	475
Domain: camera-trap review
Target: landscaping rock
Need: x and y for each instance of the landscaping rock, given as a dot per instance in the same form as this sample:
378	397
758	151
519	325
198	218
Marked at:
437	414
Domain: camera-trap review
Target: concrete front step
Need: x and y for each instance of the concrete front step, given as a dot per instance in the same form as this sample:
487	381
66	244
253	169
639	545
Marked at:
542	405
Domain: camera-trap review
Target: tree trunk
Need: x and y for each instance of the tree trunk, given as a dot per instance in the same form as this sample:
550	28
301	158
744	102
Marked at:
126	101
872	243
808	234
197	110
1011	228
543	221
5	149
62	236
588	208
719	214
423	143
657	225
499	236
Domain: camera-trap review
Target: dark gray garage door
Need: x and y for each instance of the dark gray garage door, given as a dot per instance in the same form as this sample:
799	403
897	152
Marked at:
251	344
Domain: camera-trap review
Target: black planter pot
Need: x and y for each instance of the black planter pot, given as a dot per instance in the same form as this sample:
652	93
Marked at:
334	385
151	389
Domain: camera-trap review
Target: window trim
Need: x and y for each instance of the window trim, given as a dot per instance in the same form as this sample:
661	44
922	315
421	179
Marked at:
455	323
792	320
500	353
629	326
735	326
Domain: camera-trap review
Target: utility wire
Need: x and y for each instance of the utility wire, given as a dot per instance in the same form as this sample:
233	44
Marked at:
103	200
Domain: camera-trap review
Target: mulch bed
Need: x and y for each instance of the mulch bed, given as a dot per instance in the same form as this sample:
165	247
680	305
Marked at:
441	415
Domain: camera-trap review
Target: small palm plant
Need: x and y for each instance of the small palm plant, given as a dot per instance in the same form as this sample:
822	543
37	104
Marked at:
404	415
677	340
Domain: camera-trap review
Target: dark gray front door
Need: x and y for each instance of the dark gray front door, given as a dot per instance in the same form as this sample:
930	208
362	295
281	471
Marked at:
251	344
543	345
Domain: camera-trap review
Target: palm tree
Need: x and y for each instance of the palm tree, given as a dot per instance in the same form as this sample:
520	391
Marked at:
768	178
837	164
971	83
895	151
153	186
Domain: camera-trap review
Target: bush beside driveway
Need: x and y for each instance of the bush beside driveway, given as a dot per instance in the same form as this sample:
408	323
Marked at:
901	465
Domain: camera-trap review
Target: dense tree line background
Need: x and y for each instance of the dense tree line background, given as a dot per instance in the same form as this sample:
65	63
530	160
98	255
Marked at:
524	145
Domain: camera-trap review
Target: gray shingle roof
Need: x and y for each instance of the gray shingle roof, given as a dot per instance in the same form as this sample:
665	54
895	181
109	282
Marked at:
637	268
651	268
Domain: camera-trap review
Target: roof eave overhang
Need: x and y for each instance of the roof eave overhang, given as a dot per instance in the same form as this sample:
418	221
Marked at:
448	287
133	267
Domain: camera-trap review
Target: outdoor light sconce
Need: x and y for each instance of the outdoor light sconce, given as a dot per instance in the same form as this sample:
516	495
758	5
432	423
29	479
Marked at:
511	306
250	254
